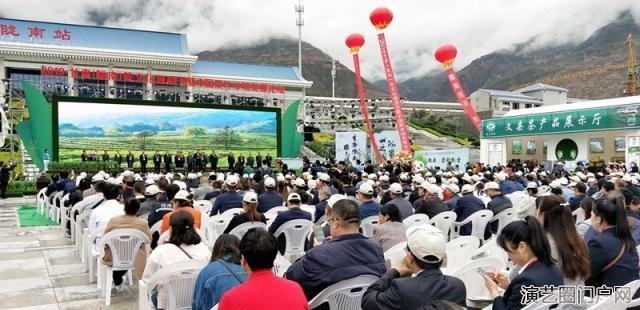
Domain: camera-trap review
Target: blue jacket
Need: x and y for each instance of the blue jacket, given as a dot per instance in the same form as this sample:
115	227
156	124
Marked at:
507	187
405	207
538	275
320	209
468	204
338	259
603	249
268	200
574	202
226	201
498	204
283	217
213	281
369	208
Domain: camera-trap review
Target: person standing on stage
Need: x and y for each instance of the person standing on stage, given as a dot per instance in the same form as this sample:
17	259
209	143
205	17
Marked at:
45	159
213	159
83	156
105	157
250	161
258	161
231	160
241	162
179	160
269	160
118	159
157	160
167	162
130	160
189	162
199	161
143	162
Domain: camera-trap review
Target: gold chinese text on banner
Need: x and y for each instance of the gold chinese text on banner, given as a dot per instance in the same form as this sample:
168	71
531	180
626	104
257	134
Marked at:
395	96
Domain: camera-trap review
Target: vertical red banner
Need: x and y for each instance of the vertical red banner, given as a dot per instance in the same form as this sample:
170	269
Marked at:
396	104
457	89
365	109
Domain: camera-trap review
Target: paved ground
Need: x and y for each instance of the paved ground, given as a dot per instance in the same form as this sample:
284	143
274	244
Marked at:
40	269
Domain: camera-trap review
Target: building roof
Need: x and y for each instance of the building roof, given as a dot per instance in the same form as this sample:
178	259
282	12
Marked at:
540	86
99	37
575	106
510	96
227	69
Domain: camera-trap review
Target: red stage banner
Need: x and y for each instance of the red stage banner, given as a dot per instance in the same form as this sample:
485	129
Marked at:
365	109
462	98
401	123
169	80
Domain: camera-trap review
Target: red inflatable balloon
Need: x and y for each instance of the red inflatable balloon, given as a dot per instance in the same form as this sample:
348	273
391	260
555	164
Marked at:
381	17
354	41
446	54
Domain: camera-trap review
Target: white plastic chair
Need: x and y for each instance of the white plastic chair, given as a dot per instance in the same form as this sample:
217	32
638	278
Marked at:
204	206
214	227
579	214
124	245
54	210
295	233
40	200
344	295
178	282
443	221
367	225
395	254
48	205
274	211
415	219
474	281
311	210
505	217
242	229
81	233
63	214
280	265
478	220
491	249
459	251
609	303
232	212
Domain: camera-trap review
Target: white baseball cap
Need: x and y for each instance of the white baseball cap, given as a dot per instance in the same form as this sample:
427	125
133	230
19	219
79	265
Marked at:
395	188
426	243
324	177
454	188
151	190
373	177
532	185
492	185
269	182
334	198
250	197
182	185
181	195
467	188
293	196
555	184
299	183
232	180
366	189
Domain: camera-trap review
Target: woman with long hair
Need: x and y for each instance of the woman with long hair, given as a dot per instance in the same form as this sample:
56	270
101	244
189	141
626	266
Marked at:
222	274
613	255
583	226
184	244
567	248
528	247
390	229
250	214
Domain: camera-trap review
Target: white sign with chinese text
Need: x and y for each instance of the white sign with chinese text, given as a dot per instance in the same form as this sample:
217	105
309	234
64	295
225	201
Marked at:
441	158
388	142
351	146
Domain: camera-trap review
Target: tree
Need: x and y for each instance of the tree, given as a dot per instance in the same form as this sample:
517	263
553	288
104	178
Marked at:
143	135
195	131
228	136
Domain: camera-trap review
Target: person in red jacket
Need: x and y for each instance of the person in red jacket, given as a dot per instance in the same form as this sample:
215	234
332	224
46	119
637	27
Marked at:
263	290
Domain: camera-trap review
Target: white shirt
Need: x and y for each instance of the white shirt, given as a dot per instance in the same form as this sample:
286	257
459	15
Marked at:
167	254
102	214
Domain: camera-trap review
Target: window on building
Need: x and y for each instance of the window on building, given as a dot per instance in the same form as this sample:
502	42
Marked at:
516	105
506	106
527	106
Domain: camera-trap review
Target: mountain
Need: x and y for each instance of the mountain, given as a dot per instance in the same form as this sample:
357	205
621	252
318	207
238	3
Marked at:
593	69
316	65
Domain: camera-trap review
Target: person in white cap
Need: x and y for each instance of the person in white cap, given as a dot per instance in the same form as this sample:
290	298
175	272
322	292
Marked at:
397	199
348	254
498	201
430	204
182	202
368	206
250	214
451	196
270	198
416	280
294	213
229	199
151	193
467	205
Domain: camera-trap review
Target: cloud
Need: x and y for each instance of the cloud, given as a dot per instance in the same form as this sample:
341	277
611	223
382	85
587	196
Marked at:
419	26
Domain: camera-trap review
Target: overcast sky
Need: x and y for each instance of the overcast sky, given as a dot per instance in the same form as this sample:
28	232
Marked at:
476	27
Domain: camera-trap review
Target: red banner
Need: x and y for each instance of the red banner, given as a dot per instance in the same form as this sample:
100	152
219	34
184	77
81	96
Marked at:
395	96
462	98
365	109
169	80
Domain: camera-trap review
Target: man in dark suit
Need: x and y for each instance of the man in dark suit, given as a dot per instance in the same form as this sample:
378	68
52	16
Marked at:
467	205
199	159
258	160
213	159
118	159
231	160
179	159
398	289
269	160
157	160
130	160
105	157
143	162
167	162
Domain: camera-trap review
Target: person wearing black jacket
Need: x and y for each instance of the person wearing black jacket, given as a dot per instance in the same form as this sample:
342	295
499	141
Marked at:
213	159
231	160
179	160
5	176
130	160
157	160
398	289
143	162
167	162
118	159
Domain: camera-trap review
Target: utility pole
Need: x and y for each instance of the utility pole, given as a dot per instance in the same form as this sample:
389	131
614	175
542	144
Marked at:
333	78
631	84
299	22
